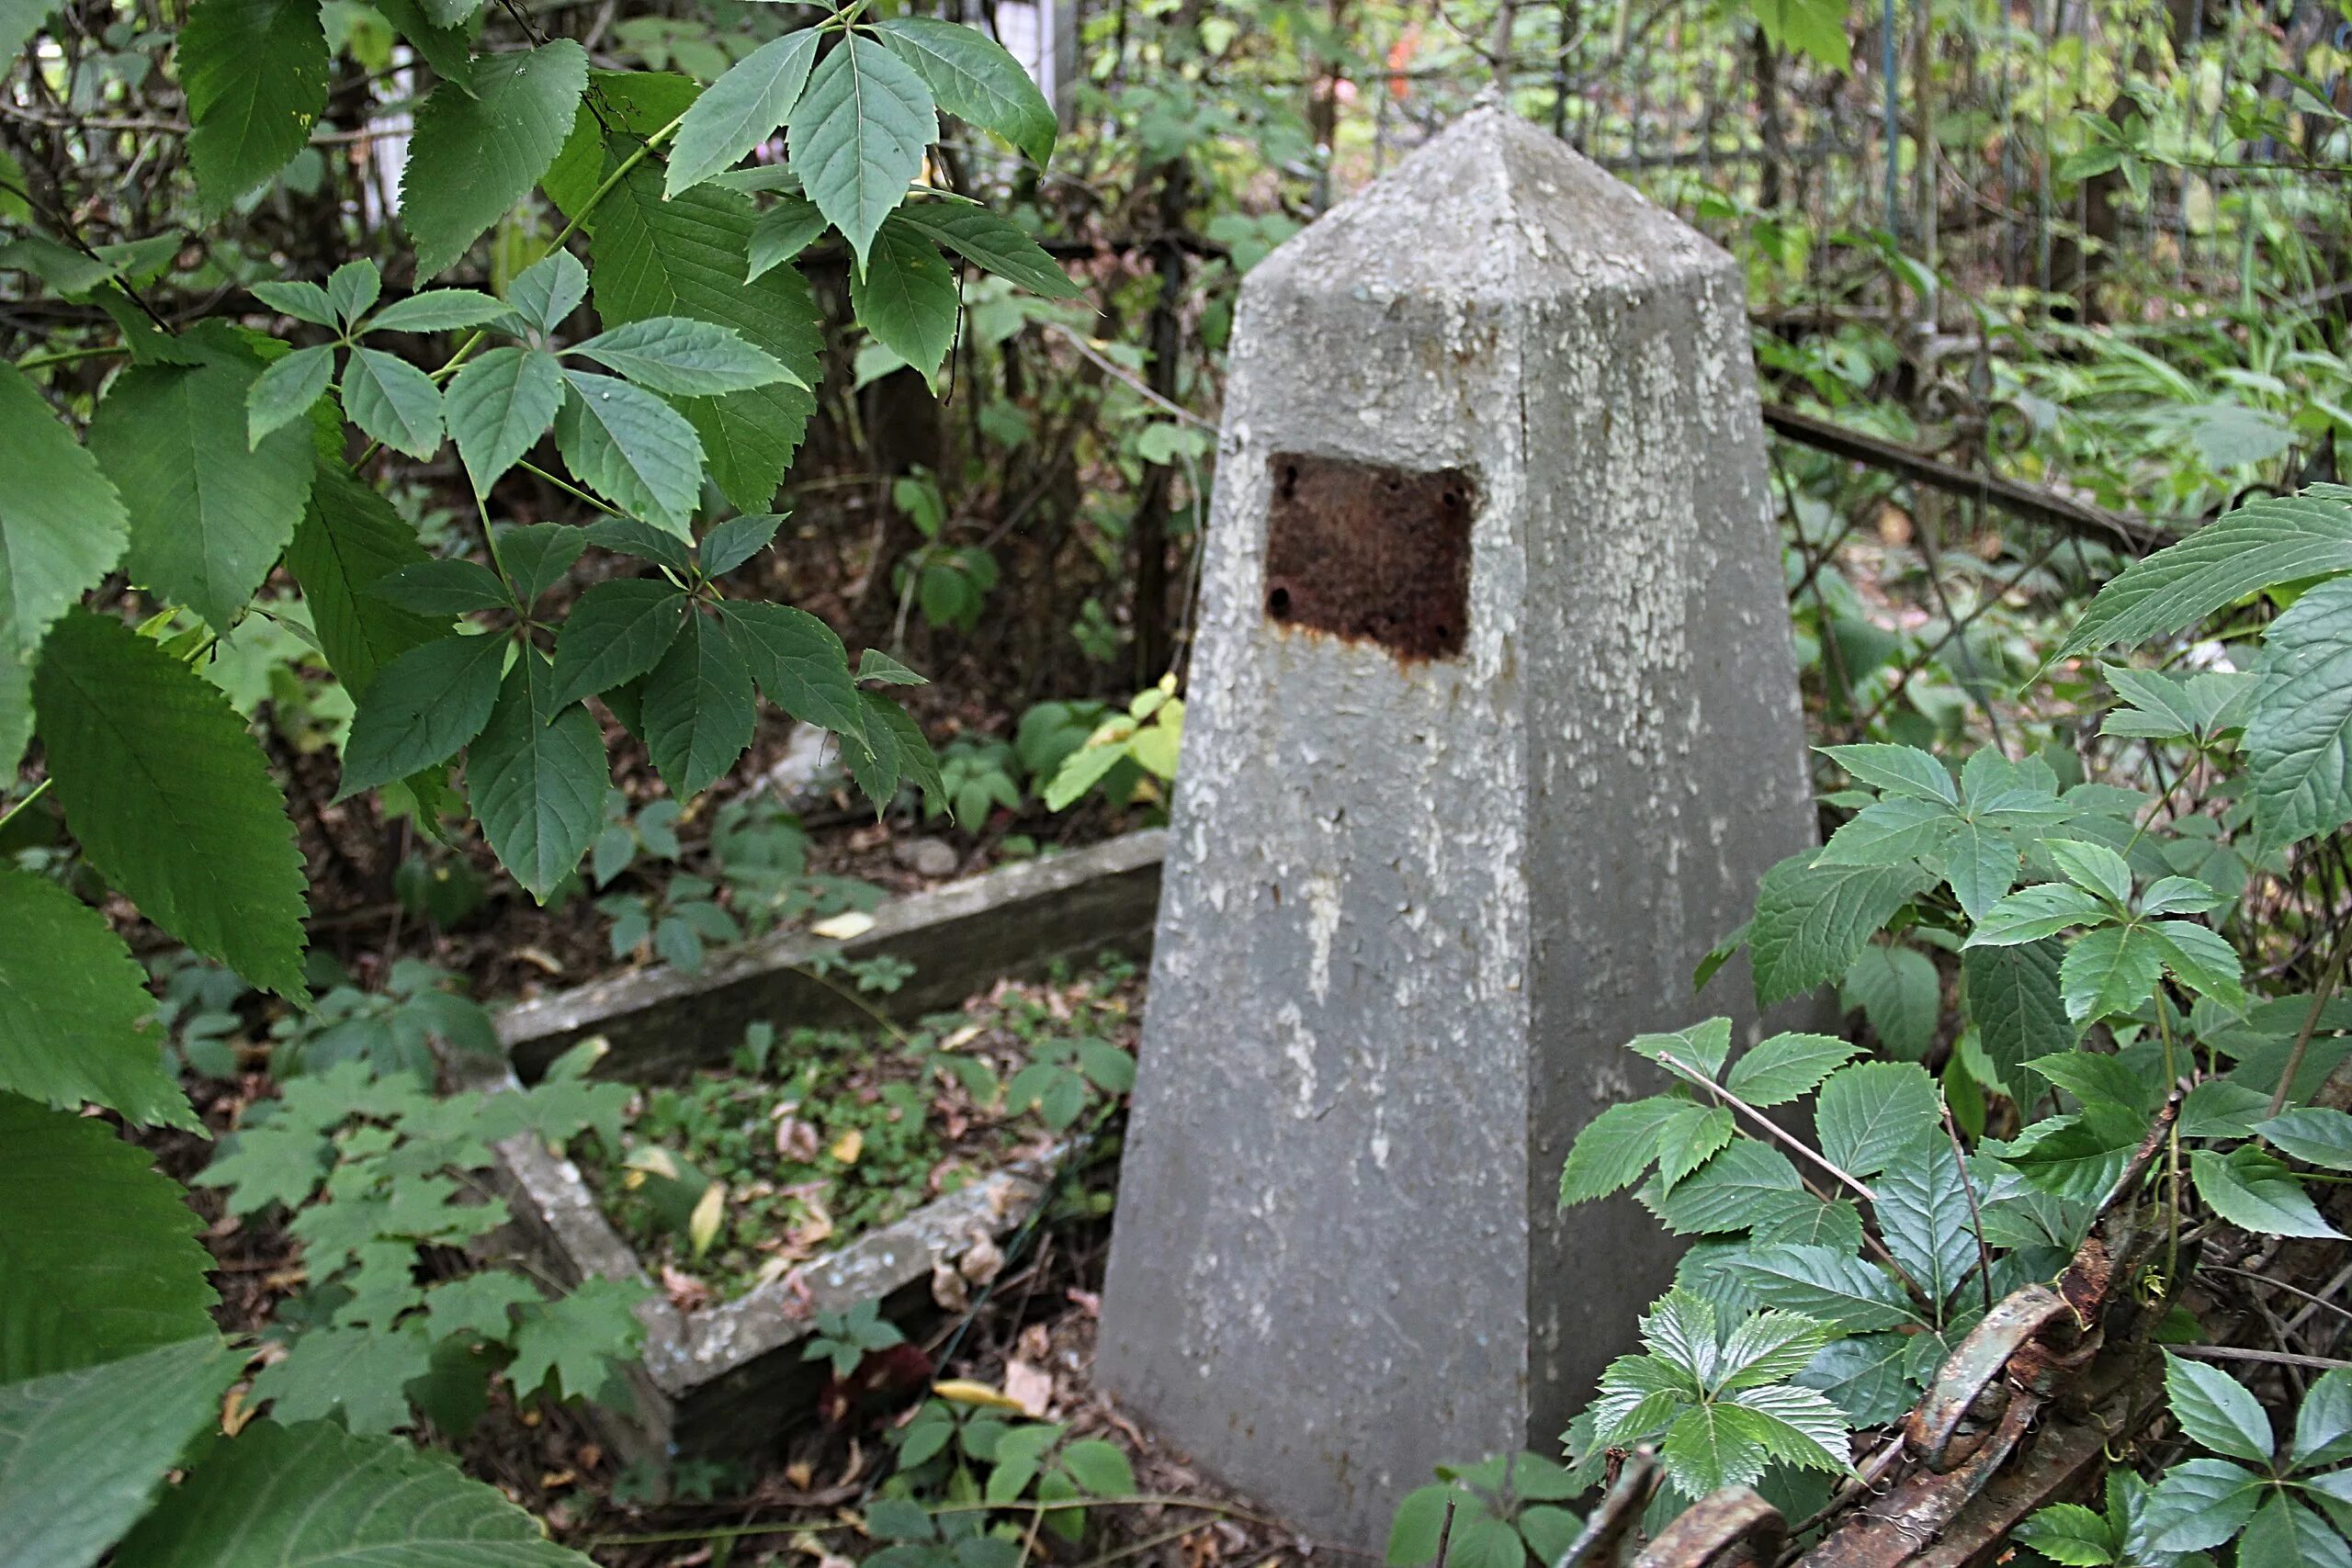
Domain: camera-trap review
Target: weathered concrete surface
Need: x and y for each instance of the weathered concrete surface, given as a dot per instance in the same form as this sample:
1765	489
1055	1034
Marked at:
1012	922
1411	910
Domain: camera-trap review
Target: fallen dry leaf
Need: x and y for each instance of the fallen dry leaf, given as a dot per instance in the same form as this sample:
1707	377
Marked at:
1029	1386
685	1293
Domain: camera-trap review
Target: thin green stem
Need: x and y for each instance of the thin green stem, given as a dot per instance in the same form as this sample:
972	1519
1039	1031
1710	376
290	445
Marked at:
38	790
69	355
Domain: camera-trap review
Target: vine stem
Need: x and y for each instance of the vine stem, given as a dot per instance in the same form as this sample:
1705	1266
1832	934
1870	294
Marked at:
38	790
2326	987
1668	1060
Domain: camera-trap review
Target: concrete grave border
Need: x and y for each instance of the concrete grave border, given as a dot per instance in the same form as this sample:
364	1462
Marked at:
729	1378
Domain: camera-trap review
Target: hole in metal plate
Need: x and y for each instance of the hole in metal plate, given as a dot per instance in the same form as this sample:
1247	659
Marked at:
1371	553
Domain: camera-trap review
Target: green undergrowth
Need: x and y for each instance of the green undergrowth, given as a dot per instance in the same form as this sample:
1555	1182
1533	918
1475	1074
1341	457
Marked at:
808	1138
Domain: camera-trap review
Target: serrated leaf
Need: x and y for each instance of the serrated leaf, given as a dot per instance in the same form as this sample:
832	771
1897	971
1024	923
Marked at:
1777	1070
1981	864
351	539
2199	1505
1801	1425
327	1499
2256	1193
498	406
440	588
685	257
392	401
570	1339
255	74
681	354
1695	1135
991	241
1713	1445
545	293
535	559
353	288
906	297
75	1010
2316	1134
616	632
632	448
481	144
783	232
858	134
423	707
210	513
1900	991
62	526
284	392
1811	920
1863	1376
437	310
357	1375
2111	971
303	301
1889	832
98	1255
2273	540
2285	1534
2013	996
170	799
1926	1218
1827	1285
1723	1195
2198	959
742	109
1699	1049
798	663
1869	1113
481	1304
1767	1347
698	708
2032	913
974	78
1615	1148
2323	1421
1816	27
736	540
2093	867
2216	1411
537	778
82	1454
2071	1534
1898	770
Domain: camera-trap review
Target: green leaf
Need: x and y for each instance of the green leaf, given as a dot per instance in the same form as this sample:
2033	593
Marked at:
170	799
359	1375
62	526
1780	1069
2077	1157
2198	959
1811	921
1767	1347
210	513
1981	863
2111	971
440	588
572	1338
2013	996
1898	769
437	310
1798	1426
498	405
1723	1195
2323	1421
2032	913
642	540
350	540
798	662
974	78
284	392
1924	1213
1696	1135
783	232
19	20
537	557
327	1499
1100	1468
991	242
1871	1112
16	710
423	707
2071	1534
906	297
634	448
684	258
616	632
549	290
2285	1534
1889	832
256	74
392	401
2095	868
1713	1445
75	1010
536	777
1700	1048
480	1305
742	109
858	134
1614	1148
2255	1192
681	354
1899	990
82	1454
353	289
879	667
2273	540
736	540
2216	1411
1816	28
2315	1136
698	708
1863	1376
1827	1285
482	143
2199	1505
98	1255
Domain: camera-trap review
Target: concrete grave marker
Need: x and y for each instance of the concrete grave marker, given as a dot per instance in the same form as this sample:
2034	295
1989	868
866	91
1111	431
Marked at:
1493	729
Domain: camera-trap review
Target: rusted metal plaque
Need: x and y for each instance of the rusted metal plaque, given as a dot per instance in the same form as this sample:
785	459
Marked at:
1372	553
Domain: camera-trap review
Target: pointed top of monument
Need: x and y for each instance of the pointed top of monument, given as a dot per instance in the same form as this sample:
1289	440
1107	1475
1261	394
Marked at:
1494	208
